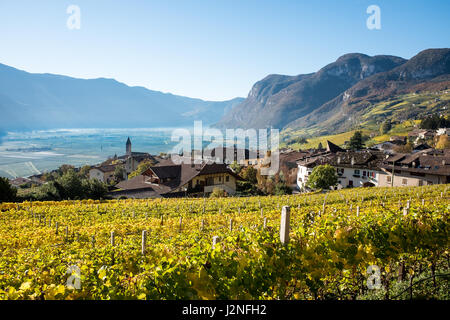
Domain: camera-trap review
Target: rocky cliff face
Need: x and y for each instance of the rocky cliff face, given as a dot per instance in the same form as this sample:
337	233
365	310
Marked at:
428	70
277	100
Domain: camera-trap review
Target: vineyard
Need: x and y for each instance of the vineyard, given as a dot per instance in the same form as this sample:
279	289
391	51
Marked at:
372	243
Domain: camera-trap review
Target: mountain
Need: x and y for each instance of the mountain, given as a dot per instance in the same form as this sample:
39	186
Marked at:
427	71
44	101
277	99
341	95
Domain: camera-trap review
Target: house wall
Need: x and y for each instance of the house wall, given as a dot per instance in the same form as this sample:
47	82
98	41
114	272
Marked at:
344	177
356	177
405	178
302	176
219	179
101	176
96	174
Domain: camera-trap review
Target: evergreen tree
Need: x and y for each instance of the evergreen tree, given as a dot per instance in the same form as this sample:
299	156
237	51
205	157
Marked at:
7	191
385	126
356	141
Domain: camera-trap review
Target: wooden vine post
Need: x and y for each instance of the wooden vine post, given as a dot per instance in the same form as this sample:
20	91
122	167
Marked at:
143	242
285	224
215	240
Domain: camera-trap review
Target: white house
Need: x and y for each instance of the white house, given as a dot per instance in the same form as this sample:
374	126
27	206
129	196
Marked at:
102	173
354	168
442	131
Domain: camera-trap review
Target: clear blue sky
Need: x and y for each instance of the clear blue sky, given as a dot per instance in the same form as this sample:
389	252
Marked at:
211	49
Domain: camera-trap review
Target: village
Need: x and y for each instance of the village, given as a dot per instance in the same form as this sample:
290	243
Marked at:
401	161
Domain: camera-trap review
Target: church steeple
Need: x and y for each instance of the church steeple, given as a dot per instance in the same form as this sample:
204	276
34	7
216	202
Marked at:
128	148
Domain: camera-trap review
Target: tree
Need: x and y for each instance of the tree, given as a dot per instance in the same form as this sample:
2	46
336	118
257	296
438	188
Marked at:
443	142
236	167
322	177
434	122
217	193
356	141
119	173
94	189
245	188
84	171
7	191
281	189
71	184
142	167
386	126
249	174
407	148
65	168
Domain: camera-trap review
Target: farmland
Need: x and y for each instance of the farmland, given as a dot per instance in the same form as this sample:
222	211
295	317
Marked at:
163	248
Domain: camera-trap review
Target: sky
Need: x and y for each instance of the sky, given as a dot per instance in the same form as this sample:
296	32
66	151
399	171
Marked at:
211	49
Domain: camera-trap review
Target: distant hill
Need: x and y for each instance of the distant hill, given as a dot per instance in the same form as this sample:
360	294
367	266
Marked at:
43	101
338	97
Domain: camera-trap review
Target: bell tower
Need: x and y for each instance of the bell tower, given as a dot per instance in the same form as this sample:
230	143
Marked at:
128	147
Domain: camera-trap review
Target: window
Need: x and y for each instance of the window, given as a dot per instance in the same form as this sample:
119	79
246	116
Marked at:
227	178
357	172
404	182
364	173
388	179
350	183
220	179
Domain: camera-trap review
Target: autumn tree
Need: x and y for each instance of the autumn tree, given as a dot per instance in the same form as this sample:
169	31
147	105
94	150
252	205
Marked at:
249	174
443	142
142	167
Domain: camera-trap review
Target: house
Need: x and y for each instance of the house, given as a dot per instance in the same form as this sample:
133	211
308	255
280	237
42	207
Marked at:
421	168
18	182
421	147
354	168
177	180
443	131
387	147
420	134
104	173
227	155
399	140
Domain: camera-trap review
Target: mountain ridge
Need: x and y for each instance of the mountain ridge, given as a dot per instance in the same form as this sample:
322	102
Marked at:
45	101
323	98
400	80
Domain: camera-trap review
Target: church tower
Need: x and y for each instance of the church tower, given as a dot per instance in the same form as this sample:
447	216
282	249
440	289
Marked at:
128	147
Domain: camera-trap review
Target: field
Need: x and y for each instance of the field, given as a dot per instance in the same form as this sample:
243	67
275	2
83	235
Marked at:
98	250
